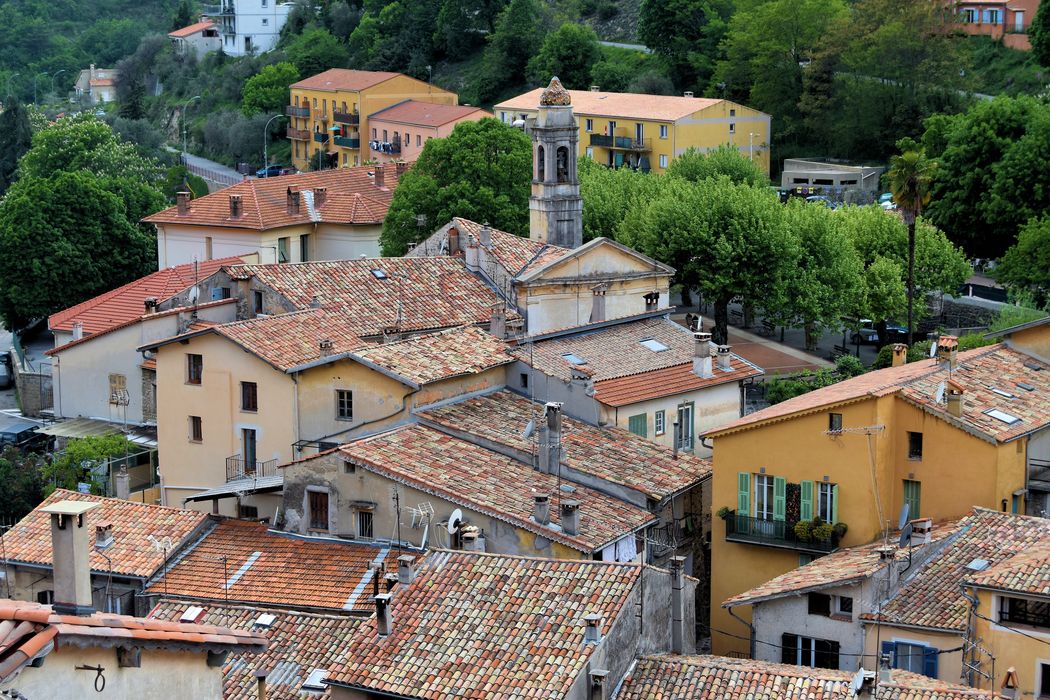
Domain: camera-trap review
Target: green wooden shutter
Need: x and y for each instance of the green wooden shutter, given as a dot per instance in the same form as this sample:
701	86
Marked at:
834	504
805	511
637	424
912	496
779	498
743	493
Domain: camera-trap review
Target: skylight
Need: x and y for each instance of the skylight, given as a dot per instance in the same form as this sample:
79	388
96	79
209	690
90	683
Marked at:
378	274
1033	366
192	614
315	681
1026	386
1005	394
1002	416
265	620
978	565
653	344
573	359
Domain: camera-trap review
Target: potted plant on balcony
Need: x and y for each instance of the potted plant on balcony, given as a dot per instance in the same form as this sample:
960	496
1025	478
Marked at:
804	530
724	512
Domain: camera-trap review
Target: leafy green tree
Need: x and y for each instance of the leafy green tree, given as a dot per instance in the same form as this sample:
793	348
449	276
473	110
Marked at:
909	176
67	469
481	171
316	50
463	24
178	179
84	143
1039	35
134	104
1027	263
570	53
686	33
609	194
726	160
183	16
267	91
515	41
651	82
343	20
65	239
23	484
110	40
15	139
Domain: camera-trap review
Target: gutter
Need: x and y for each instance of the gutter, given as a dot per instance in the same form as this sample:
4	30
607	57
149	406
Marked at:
751	629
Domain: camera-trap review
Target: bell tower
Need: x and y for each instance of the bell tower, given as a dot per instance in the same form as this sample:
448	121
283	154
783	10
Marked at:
555	207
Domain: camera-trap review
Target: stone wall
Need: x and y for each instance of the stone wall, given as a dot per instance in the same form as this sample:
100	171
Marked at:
34	389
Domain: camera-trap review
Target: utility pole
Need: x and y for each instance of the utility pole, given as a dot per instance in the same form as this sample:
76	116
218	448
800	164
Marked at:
266	141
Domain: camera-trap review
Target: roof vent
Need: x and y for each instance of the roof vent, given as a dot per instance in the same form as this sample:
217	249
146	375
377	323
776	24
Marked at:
1026	386
192	614
687	93
1033	366
595	88
592	631
978	565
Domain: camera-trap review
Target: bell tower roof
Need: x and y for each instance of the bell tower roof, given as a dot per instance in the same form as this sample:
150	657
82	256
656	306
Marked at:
555	95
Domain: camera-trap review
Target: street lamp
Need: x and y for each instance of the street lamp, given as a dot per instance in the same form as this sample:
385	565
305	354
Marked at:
266	140
9	79
751	146
35	78
55	75
184	106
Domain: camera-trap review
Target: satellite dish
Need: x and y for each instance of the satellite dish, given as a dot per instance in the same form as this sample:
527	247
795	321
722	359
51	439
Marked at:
905	535
195	294
903	518
857	683
454	521
529	430
939	397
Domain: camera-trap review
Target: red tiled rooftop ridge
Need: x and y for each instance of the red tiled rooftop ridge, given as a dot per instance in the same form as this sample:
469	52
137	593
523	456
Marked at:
343	79
442	355
192	29
424	114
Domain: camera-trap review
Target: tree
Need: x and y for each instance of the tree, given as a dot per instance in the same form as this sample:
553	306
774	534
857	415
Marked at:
1027	263
133	106
910	175
316	50
178	179
65	239
570	53
110	40
608	194
515	40
183	16
725	161
15	139
23	484
1039	35
463	24
67	469
84	143
481	171
686	33
267	91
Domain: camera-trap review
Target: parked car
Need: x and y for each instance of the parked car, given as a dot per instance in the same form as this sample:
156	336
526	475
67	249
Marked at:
23	435
273	171
885	197
868	334
821	199
5	376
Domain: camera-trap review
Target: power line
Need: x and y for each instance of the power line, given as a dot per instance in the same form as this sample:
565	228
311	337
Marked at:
841	653
1012	629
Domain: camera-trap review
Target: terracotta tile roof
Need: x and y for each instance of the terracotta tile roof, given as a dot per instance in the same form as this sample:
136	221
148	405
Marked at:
343	79
667	382
352	199
292	339
721	678
192	29
299	642
483	625
124	304
1025	572
494	484
278	570
611	454
29	541
932	598
979	372
626	105
425	293
842	567
514	253
424	114
435	356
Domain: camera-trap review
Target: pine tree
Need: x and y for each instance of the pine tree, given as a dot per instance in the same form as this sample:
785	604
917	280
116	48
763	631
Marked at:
15	139
1039	34
183	16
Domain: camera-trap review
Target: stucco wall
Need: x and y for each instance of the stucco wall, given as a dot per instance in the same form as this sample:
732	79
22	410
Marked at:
1011	648
712	407
949	665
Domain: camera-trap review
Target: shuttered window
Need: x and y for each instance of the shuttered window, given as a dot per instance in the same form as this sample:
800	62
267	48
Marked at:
913	497
637	424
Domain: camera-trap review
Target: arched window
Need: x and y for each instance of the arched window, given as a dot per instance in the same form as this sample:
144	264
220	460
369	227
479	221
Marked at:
563	164
541	165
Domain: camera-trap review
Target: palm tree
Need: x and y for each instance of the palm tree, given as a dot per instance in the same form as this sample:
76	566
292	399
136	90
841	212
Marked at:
910	176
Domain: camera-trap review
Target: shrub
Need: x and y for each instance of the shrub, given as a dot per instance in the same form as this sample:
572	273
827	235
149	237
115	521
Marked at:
804	530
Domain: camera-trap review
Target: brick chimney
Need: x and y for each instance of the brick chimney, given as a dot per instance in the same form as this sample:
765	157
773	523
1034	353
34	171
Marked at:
400	167
724	358
380	176
570	517
182	201
948	351
592	628
541	509
677	567
70	554
406	572
485	236
900	354
235	206
598	302
384	621
702	355
453	240
954	394
320	196
294	198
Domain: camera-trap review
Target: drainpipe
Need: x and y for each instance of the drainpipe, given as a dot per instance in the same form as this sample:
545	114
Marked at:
295	416
751	630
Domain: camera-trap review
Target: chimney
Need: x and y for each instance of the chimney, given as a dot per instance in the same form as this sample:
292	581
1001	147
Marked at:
320	196
580	377
91	72
391	334
724	358
652	301
472	257
885	672
900	354
541	510
954	394
677	566
948	351
598	303
123	486
182	200
150	304
453	240
687	93
595	88
391	581
1010	685
377	575
485	237
235	206
406	572
498	322
598	677
383	621
702	355
469	537
70	554
293	201
676	438
570	517
592	630
550	440
103	535
380	176
315	302
260	683
400	167
325	347
78	330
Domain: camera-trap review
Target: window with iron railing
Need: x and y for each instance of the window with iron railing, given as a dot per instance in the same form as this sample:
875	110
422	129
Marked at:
1022	611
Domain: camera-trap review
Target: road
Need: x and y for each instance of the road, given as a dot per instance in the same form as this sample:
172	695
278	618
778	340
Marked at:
215	174
637	47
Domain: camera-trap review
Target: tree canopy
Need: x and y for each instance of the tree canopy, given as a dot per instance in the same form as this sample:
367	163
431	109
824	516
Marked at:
686	33
1027	263
15	139
316	50
725	160
570	53
267	91
1039	35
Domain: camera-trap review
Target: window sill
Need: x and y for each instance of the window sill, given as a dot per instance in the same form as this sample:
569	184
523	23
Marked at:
344	420
195	442
249	410
193	383
841	617
914	459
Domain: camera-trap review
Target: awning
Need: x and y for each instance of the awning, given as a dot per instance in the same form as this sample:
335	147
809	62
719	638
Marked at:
90	427
240	487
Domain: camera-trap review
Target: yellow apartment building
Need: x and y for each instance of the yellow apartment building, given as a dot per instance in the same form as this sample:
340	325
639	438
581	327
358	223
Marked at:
647	132
328	119
941	435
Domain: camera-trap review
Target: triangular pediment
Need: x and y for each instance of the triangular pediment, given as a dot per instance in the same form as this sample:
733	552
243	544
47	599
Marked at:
600	258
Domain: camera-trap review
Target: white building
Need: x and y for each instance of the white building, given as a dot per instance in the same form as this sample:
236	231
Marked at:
249	26
97	85
197	39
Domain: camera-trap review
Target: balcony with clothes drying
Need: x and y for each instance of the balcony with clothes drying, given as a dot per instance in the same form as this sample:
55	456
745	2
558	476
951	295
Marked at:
392	147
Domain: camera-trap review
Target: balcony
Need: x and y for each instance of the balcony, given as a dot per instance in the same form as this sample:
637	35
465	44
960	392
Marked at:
237	468
774	533
621	143
217	10
298	134
321	136
389	147
347	142
294	111
351	118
